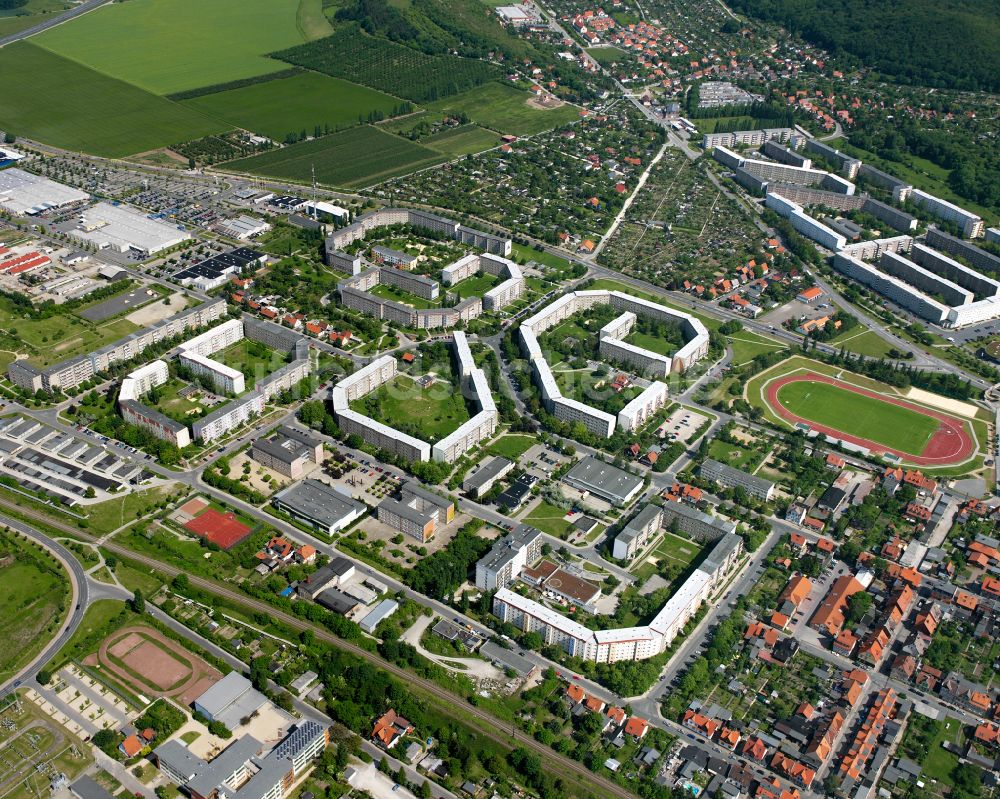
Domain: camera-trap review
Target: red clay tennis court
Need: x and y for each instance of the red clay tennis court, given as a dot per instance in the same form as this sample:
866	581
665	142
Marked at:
219	528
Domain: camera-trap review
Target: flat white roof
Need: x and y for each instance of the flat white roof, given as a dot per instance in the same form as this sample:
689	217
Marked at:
122	228
24	193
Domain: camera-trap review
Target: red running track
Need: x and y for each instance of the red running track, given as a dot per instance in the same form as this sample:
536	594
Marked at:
951	443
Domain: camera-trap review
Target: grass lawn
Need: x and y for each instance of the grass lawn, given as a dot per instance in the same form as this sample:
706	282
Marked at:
512	446
543	257
97	114
99	621
462	140
617	285
549	519
504	108
651	343
253	357
675	548
352	158
607	55
900	428
735	456
437	410
939	762
476	286
747	345
113	513
864	342
167	46
290	105
171	403
311	21
33	602
134	576
401	295
69	336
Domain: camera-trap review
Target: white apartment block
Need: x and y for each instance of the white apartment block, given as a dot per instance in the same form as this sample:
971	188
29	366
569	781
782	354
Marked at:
631	643
639	411
871	250
508	556
229	417
639	532
972	225
805	224
143	380
225	379
746	138
570	410
892	288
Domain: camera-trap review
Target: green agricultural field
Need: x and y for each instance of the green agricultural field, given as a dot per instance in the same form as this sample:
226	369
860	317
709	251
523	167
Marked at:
435	411
504	108
463	140
34	599
167	46
512	446
276	108
97	114
890	425
352	158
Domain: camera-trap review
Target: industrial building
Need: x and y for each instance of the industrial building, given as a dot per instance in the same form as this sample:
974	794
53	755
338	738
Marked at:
631	643
319	505
727	476
25	194
219	269
243	227
125	230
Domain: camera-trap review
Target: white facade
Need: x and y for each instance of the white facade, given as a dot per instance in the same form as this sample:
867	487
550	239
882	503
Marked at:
640	410
804	223
143	380
972	225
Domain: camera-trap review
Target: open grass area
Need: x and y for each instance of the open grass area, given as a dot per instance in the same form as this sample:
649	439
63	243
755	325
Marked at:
114	513
890	425
734	455
475	286
504	108
549	519
607	55
512	446
434	411
311	21
541	256
864	342
462	140
276	108
69	336
167	46
97	114
651	343
676	549
34	600
102	617
169	401
747	345
397	294
352	158
252	358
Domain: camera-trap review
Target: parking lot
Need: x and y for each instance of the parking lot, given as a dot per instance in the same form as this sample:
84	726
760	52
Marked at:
681	425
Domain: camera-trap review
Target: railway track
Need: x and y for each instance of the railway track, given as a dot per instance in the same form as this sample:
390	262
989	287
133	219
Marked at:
490	723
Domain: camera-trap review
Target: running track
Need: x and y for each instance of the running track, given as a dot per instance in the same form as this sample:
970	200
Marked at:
951	443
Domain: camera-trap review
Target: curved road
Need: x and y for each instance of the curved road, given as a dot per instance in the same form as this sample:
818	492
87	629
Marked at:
79	600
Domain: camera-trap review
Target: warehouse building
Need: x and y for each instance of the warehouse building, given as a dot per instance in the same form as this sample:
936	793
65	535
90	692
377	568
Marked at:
25	194
243	227
319	505
219	269
124	230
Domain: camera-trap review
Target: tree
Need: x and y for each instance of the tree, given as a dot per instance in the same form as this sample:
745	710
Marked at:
258	673
138	603
857	606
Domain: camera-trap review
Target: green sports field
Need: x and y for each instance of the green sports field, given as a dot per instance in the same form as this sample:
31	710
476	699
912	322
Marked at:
63	103
504	108
855	414
352	158
167	46
289	105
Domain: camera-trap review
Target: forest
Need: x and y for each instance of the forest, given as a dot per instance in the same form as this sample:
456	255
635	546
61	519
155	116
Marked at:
913	42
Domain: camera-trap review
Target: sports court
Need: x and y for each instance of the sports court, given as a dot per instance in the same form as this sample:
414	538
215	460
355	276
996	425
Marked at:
220	528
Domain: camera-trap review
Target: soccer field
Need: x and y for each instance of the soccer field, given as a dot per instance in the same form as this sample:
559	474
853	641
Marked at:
60	102
289	105
167	46
352	158
882	422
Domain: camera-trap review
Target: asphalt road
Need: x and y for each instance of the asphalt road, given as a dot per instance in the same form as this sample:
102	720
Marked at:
51	22
79	599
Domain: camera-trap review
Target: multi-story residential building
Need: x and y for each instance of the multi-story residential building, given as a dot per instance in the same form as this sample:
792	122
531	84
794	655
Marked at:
846	164
159	425
696	524
417	513
893	288
900	188
508	556
947	268
746	138
977	257
785	155
639	411
225	379
483	477
418	285
631	643
915	275
338	239
637	533
804	223
872	250
71	373
143	380
355	292
727	476
972	225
